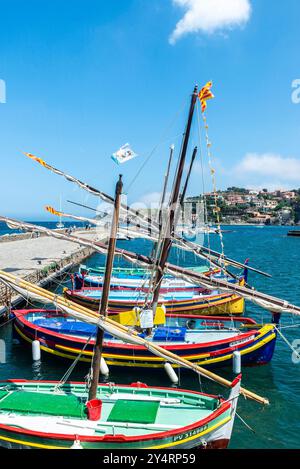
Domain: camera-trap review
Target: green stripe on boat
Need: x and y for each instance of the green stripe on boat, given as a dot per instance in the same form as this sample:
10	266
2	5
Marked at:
65	405
133	411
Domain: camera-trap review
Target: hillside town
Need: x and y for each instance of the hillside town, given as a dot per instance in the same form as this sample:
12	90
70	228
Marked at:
239	205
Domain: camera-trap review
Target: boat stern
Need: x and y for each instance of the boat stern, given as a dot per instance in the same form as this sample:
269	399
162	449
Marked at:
221	437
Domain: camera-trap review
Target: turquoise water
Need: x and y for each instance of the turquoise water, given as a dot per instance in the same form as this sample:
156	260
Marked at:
275	426
4	230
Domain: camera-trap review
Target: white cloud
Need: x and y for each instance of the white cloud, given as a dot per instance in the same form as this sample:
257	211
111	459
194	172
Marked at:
208	16
269	165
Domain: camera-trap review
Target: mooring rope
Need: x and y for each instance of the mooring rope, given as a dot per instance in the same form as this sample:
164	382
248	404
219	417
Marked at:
288	343
69	371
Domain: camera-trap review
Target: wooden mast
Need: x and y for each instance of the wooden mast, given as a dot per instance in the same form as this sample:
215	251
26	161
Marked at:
183	194
167	241
182	197
165	185
95	368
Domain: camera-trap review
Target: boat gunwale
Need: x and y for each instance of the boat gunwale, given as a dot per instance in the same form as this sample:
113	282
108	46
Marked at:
189	346
206	299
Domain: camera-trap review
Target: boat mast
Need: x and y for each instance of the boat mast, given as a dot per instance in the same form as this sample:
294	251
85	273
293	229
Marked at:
95	368
167	241
182	197
165	185
156	245
60	224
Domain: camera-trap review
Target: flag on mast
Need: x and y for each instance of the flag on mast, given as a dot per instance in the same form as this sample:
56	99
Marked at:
53	211
125	153
205	94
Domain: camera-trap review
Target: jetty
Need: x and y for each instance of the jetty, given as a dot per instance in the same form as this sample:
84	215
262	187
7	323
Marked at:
40	259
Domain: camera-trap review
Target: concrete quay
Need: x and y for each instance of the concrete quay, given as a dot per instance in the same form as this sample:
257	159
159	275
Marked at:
40	260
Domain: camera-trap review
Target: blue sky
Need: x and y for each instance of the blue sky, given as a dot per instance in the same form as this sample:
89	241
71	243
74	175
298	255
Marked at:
84	77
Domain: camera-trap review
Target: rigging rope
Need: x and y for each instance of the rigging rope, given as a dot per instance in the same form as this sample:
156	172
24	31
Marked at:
206	222
69	371
161	140
216	206
288	343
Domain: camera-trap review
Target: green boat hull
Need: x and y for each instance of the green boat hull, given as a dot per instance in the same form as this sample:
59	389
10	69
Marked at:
34	415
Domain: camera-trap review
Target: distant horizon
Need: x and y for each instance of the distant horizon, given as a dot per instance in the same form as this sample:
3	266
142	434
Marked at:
46	218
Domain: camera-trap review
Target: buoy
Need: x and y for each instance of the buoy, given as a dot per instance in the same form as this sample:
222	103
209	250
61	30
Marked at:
204	443
76	445
236	362
103	367
36	350
171	373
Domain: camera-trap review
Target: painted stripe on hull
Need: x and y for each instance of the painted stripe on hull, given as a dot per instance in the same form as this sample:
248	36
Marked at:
183	443
261	351
212	306
216	426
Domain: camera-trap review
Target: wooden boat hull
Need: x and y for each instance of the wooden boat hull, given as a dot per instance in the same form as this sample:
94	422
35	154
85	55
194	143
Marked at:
255	345
220	304
35	430
295	233
133	278
131	283
138	272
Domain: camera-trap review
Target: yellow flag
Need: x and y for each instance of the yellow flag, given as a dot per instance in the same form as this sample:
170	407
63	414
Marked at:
35	158
205	94
52	210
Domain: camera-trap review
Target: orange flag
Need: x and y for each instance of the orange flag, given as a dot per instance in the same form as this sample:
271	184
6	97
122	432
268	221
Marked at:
52	210
39	160
205	94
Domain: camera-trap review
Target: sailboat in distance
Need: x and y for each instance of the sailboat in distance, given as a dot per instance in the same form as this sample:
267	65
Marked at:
60	225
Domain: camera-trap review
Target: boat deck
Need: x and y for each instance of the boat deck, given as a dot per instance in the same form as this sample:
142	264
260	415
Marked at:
176	334
129	412
129	295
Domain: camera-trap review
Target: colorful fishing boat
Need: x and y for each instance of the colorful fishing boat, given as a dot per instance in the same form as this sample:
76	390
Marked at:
52	415
80	280
133	278
209	342
204	302
139	272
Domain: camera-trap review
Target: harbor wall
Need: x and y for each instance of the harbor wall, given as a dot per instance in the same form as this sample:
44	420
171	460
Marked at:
17	256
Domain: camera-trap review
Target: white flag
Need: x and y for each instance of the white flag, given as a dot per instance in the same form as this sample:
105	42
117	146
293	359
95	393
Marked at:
123	154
